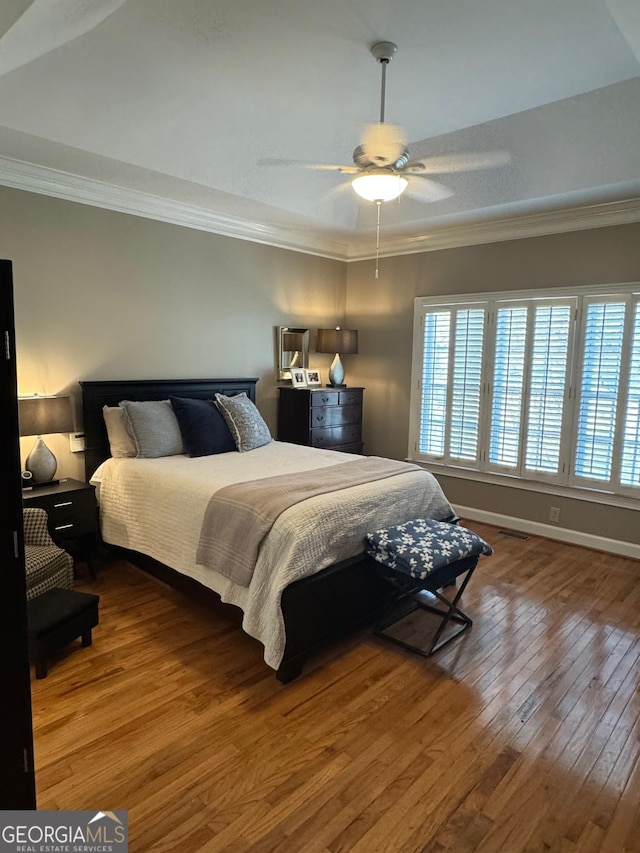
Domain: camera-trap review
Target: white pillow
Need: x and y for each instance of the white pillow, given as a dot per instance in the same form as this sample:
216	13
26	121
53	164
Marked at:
120	439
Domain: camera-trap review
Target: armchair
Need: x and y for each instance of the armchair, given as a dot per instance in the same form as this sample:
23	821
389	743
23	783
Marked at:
47	566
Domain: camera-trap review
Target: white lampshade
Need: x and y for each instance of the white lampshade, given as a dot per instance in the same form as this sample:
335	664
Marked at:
379	185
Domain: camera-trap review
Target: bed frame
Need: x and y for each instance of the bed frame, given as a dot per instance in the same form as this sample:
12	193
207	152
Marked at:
318	610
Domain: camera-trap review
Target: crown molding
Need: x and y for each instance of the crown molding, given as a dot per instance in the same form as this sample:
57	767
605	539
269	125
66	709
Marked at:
45	180
64	185
515	227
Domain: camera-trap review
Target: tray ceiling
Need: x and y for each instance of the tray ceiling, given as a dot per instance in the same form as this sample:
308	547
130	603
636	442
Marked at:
171	109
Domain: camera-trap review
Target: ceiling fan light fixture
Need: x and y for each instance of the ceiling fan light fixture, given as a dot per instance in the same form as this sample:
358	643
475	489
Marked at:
379	185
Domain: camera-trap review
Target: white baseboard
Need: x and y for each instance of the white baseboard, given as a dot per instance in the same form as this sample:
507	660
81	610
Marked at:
550	531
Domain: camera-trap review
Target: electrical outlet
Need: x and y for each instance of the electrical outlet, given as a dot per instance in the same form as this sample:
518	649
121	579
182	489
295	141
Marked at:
554	514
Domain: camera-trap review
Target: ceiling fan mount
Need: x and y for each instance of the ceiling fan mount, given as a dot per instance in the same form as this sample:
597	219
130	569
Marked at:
384	51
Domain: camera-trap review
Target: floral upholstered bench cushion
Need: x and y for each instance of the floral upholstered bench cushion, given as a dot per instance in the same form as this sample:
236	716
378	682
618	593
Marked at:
419	547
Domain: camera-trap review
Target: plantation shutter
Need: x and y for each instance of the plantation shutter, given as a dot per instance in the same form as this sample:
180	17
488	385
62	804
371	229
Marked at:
598	398
548	382
451	383
466	385
630	464
435	383
508	387
541	386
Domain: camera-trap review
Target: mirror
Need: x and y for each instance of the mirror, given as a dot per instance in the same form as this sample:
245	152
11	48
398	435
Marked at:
293	350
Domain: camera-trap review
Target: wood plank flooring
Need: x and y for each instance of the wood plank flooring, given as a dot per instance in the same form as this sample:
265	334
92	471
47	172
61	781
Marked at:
523	735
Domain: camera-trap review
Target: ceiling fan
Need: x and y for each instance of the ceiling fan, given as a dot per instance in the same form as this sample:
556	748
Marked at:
382	167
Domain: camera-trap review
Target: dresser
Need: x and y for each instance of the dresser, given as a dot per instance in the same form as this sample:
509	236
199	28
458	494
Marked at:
321	417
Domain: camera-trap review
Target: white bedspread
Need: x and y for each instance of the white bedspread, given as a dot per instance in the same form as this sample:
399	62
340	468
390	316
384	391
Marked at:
156	506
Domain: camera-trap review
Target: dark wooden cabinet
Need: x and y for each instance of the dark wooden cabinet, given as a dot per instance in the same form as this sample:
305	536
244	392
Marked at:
70	505
321	417
73	515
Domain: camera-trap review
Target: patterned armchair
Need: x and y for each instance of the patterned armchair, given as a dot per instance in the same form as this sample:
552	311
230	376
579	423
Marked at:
47	565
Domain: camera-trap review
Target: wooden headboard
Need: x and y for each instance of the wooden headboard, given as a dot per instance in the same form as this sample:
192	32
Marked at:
95	395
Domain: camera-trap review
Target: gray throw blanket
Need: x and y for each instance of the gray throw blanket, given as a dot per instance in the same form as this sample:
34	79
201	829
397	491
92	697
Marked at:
238	517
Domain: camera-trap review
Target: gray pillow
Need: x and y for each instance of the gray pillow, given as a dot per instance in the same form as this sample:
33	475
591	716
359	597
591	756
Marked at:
245	422
154	427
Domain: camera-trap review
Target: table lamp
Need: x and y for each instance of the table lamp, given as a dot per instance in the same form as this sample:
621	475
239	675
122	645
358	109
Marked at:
339	341
43	416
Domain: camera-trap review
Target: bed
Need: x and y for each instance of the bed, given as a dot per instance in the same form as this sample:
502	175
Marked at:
312	582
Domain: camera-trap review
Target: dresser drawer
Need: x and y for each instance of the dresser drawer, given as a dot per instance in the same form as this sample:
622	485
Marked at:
335	416
70	514
333	436
325	398
350	397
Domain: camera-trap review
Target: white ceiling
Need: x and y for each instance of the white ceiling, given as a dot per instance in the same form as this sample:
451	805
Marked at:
170	109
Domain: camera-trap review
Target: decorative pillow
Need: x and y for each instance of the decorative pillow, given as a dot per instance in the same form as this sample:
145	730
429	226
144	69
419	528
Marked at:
247	426
423	545
121	441
154	427
203	427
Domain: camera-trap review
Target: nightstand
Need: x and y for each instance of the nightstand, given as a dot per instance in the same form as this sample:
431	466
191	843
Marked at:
321	417
73	516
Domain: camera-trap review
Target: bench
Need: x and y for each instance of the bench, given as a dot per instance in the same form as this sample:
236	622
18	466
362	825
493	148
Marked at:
55	619
420	559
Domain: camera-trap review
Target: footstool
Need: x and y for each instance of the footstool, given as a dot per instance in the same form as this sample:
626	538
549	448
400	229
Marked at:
424	556
55	619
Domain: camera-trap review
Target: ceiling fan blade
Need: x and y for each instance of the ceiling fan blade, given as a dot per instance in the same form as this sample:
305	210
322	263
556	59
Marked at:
464	161
302	164
339	191
424	189
382	143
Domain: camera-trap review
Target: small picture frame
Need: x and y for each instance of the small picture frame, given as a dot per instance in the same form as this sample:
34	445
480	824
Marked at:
313	377
298	377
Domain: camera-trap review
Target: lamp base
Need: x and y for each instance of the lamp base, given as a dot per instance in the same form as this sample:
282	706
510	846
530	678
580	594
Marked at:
336	372
42	463
337	385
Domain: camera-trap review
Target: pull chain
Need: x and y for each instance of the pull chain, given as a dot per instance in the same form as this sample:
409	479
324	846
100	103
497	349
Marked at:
379	203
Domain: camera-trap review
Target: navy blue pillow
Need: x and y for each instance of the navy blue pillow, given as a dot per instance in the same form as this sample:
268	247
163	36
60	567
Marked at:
203	428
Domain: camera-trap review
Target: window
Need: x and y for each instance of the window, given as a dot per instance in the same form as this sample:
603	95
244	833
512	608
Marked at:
537	386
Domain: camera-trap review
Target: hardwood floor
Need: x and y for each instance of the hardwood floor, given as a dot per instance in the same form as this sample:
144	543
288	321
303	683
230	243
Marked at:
521	736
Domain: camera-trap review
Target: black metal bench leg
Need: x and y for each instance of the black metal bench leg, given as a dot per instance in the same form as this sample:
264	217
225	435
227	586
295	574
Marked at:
450	612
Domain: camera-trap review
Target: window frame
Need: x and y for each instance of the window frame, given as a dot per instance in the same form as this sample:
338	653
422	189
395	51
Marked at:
577	298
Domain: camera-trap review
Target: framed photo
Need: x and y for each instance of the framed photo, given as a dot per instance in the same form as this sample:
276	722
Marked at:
298	378
313	377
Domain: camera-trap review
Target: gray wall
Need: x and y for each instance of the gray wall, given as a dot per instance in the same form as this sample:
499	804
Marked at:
382	310
104	295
